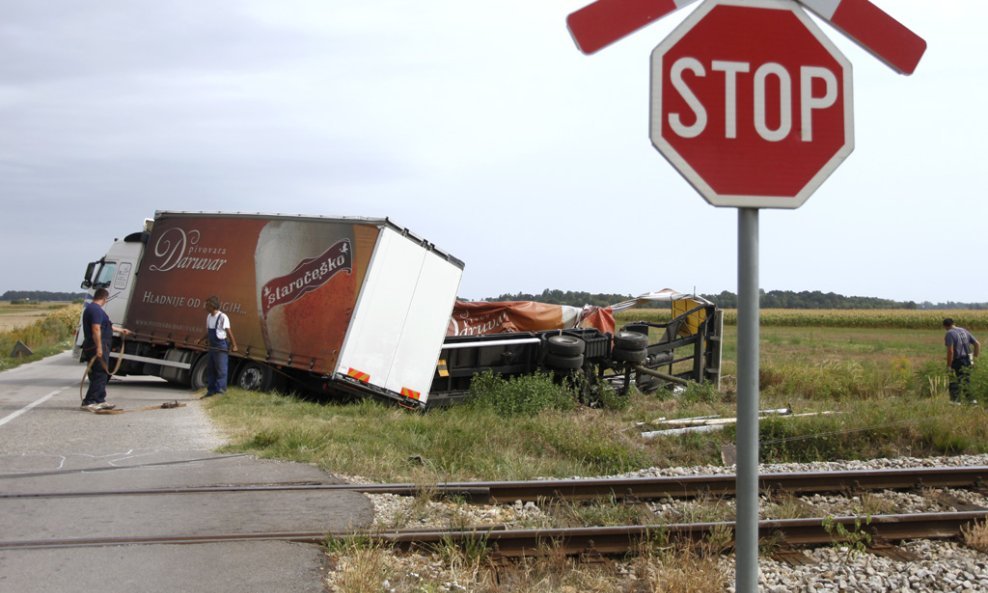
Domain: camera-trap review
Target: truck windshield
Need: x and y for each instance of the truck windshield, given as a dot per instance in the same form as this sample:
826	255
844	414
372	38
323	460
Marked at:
106	274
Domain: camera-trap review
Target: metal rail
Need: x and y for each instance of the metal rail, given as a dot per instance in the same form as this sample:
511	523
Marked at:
628	539
628	489
512	543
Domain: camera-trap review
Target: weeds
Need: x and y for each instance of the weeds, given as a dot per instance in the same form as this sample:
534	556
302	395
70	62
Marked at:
361	566
701	393
853	541
599	513
686	569
976	535
789	506
870	504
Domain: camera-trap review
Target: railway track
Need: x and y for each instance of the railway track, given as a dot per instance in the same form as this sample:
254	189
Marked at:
583	541
579	541
620	489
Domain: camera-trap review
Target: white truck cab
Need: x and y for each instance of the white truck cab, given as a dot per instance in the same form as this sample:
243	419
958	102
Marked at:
116	272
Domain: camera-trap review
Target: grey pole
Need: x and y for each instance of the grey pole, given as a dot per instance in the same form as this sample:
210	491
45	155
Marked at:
746	537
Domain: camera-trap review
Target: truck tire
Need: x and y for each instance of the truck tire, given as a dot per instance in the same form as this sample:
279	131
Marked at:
563	363
635	356
632	341
197	377
566	345
254	376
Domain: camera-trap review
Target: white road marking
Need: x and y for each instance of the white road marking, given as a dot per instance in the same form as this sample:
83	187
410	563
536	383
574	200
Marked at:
36	402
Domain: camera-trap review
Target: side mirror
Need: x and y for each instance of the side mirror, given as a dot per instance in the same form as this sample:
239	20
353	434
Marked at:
86	280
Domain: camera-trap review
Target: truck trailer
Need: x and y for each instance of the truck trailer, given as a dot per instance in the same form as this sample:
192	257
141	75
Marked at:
358	303
350	306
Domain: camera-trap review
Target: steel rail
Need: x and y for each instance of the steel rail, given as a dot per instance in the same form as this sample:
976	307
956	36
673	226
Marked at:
627	539
676	487
513	543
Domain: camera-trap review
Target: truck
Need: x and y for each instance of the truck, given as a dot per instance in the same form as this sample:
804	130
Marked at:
356	306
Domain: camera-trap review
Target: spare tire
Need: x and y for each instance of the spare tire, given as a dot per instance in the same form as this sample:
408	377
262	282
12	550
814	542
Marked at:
635	356
563	363
563	345
625	340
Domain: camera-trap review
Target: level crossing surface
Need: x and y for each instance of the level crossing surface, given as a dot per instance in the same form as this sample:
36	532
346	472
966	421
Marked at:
47	444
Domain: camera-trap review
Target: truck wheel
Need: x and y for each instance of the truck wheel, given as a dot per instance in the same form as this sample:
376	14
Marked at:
635	356
197	378
633	341
566	345
563	363
254	376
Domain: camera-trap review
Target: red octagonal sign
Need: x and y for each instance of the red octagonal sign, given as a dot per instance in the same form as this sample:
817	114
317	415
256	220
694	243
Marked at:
751	103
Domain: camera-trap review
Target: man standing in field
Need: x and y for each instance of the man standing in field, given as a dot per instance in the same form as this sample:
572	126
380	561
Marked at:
962	348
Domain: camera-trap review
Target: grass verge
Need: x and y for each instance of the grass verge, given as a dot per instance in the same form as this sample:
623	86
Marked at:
488	441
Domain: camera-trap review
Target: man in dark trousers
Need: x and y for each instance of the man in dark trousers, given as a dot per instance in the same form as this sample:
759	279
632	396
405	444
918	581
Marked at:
219	337
962	349
98	332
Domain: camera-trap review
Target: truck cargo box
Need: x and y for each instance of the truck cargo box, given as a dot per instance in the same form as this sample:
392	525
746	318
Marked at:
360	301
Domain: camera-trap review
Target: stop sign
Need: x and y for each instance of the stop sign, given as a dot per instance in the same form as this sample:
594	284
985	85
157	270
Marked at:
751	103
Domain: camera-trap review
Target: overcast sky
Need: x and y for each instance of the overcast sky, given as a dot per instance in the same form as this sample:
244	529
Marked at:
477	125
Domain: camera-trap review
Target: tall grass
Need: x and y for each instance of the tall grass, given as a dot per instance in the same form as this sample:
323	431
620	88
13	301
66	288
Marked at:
49	335
378	442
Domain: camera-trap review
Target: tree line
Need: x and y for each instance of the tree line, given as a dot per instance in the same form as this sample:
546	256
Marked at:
41	295
772	299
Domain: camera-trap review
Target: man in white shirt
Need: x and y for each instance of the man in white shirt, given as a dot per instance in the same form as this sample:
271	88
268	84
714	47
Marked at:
219	336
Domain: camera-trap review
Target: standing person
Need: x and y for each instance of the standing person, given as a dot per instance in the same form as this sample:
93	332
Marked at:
97	330
960	344
217	331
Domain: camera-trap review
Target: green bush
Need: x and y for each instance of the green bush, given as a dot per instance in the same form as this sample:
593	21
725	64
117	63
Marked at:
705	392
524	395
979	383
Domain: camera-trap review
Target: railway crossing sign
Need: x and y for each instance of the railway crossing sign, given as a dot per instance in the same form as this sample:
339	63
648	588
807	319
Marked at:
751	103
603	22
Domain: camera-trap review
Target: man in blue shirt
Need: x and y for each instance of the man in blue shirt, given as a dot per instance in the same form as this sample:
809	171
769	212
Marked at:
962	348
97	330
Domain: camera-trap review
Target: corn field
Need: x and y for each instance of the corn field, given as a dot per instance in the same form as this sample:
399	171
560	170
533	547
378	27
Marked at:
47	335
972	319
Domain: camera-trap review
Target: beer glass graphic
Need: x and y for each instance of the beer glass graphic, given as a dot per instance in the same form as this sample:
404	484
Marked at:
305	289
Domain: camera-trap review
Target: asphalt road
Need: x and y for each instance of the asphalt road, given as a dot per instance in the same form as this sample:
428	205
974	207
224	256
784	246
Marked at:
48	445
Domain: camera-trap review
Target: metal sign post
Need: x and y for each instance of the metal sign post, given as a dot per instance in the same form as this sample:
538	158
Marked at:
746	535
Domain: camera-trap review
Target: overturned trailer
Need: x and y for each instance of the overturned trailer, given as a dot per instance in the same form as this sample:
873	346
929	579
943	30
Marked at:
522	337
